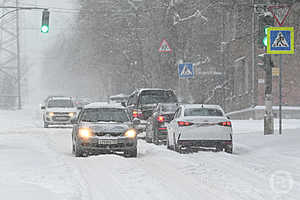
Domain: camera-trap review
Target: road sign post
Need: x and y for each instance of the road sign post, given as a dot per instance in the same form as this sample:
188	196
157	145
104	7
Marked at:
280	41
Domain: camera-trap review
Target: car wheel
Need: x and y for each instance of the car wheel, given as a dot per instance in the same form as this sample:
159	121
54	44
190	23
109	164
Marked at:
155	139
148	140
228	150
73	149
77	151
46	125
168	143
131	153
219	147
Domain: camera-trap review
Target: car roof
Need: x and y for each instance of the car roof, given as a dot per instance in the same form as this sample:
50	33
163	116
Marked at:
119	96
103	105
63	98
151	89
201	106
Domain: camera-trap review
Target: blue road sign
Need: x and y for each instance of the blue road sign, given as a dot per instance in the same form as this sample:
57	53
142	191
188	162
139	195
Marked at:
186	70
280	40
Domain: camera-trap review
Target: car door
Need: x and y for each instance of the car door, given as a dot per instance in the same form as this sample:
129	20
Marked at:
76	126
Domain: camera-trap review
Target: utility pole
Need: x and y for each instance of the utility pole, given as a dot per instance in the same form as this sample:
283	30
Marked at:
18	58
253	90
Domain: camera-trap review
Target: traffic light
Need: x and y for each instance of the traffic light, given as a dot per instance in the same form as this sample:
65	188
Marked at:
264	23
45	21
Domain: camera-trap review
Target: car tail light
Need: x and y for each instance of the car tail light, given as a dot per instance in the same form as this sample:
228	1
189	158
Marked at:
162	128
228	142
160	119
227	123
137	114
182	123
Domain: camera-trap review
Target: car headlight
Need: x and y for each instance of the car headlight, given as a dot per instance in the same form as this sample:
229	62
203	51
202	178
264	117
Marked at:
85	133
51	114
131	133
71	114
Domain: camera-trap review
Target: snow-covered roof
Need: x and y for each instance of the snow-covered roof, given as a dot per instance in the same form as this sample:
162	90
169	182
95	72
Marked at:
147	89
104	105
63	98
201	105
119	96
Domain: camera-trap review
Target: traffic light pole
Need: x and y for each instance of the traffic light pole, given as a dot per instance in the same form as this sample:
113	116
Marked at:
268	116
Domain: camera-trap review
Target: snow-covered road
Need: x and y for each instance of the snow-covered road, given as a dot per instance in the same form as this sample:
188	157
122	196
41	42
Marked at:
37	163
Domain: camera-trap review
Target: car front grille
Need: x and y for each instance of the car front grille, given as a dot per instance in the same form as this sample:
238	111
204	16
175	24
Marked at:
61	113
109	133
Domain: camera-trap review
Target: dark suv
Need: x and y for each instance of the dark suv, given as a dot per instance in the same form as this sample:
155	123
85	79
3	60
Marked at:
142	102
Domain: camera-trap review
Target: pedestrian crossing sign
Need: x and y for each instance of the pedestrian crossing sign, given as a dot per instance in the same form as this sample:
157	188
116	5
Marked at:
280	40
186	70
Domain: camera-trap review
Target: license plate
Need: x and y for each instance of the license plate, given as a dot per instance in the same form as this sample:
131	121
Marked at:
107	141
62	118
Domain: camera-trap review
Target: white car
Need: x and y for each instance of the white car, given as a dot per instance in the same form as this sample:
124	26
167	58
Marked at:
198	126
59	111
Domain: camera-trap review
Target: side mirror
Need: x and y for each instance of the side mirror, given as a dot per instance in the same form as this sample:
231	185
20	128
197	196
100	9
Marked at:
227	117
43	107
136	121
123	103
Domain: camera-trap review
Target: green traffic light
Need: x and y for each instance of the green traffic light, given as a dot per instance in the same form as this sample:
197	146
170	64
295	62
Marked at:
266	29
265	41
44	29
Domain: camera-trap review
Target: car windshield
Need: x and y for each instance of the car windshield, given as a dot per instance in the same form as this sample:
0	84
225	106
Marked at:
157	96
203	112
168	107
105	114
60	103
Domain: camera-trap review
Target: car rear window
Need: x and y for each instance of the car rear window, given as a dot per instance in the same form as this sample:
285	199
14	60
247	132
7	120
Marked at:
60	103
203	112
168	107
157	96
104	115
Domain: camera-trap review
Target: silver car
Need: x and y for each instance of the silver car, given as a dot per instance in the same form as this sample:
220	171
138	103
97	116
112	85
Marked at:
198	126
59	111
104	128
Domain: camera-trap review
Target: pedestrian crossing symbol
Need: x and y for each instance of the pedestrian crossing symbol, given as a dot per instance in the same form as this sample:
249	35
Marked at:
164	47
186	70
280	40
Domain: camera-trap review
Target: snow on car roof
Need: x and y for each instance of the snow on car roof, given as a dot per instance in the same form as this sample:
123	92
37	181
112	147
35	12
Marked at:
146	89
201	105
119	96
104	105
64	98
